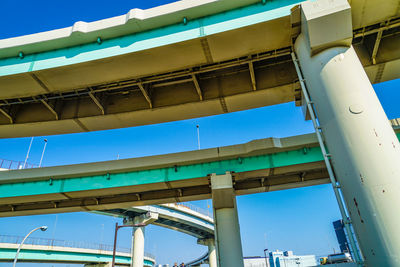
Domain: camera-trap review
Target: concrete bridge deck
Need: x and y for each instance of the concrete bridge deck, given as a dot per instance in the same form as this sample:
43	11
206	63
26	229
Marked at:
173	216
258	166
261	165
170	63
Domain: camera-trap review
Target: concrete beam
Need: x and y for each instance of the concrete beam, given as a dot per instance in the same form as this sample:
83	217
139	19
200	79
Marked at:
335	16
227	230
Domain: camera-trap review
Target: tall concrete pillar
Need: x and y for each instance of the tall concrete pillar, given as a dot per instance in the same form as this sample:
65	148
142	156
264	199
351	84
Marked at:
212	253
365	152
137	249
226	222
137	246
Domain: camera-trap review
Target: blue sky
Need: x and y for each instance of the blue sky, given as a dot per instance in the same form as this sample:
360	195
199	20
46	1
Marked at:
297	219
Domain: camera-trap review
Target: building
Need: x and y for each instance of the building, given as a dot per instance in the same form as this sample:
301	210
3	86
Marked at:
341	236
288	259
256	261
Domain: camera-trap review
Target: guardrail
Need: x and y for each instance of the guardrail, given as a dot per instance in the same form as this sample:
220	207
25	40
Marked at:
198	261
10	239
16	165
196	209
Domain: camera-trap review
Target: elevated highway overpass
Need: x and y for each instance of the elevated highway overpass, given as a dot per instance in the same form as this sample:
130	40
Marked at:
258	166
191	59
170	63
178	217
41	250
172	216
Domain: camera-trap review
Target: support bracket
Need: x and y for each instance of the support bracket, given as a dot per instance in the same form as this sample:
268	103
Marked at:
5	113
49	107
144	219
145	94
252	76
97	102
197	85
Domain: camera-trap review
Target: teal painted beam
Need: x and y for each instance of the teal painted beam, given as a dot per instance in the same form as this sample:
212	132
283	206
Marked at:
32	255
168	174
140	41
159	175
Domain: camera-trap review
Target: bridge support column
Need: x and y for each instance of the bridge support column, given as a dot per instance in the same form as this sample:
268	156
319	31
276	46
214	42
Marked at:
138	246
226	222
212	253
138	236
363	147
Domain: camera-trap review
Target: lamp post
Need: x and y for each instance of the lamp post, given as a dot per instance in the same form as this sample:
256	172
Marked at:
43	228
27	154
117	227
44	148
198	136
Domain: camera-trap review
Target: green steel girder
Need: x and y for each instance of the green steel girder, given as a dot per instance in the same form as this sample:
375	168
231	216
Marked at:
168	174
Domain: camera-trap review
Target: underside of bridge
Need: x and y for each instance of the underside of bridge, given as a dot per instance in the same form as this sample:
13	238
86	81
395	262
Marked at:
209	58
210	65
259	166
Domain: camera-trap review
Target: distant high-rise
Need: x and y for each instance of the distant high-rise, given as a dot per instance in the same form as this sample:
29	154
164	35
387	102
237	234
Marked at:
341	236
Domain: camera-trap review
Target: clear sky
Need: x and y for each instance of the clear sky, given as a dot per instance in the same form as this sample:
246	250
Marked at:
297	219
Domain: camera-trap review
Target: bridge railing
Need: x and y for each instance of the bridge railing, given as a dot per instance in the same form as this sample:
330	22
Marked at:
16	165
11	239
196	209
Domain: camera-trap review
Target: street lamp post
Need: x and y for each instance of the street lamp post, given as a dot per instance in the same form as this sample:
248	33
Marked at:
44	149
43	228
198	136
27	154
117	227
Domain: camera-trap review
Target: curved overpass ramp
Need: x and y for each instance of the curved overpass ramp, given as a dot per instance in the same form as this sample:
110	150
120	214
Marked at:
57	251
172	216
170	63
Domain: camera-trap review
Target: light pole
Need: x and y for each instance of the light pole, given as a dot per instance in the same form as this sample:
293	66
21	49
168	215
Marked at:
44	148
43	228
198	136
117	227
27	154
